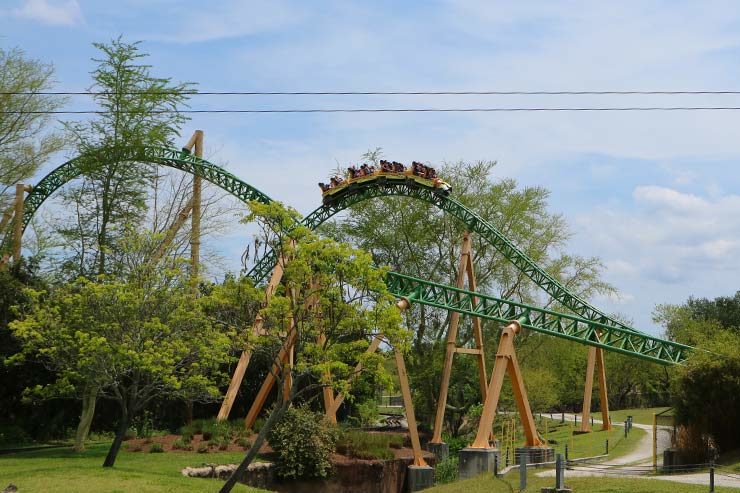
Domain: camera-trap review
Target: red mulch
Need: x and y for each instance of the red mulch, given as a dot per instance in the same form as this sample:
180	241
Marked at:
144	444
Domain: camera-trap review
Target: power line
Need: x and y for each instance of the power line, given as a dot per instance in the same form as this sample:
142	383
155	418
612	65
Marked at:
370	93
393	110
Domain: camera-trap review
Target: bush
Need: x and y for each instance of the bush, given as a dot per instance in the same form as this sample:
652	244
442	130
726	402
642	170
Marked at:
705	391
243	443
13	435
258	424
181	444
446	470
304	442
156	448
368	446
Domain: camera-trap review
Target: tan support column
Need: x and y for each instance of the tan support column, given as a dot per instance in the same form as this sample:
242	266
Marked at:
238	376
20	190
603	397
374	345
269	381
465	268
241	366
506	361
288	372
408	402
283	360
327	391
195	221
169	236
402	305
588	389
408	405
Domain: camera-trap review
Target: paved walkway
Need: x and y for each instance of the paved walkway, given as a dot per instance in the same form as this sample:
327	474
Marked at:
640	457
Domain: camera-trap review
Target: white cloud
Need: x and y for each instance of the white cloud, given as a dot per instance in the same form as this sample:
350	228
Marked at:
670	237
668	198
67	13
226	19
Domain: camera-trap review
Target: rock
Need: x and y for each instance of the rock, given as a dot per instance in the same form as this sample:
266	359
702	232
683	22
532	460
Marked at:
222	471
11	488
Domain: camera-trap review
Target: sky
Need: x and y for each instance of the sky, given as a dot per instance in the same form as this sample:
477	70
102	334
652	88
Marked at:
655	195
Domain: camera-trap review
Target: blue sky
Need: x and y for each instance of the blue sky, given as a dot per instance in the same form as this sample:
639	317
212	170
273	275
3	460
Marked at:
655	195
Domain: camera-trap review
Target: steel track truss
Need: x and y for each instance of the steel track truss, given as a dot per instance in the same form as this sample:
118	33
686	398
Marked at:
168	157
549	322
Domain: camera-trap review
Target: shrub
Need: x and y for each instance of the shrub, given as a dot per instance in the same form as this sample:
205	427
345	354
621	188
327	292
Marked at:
13	435
258	424
304	442
156	448
243	443
369	446
181	444
221	442
446	470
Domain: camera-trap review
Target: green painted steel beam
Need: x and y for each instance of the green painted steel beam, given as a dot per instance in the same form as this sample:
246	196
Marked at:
172	158
548	322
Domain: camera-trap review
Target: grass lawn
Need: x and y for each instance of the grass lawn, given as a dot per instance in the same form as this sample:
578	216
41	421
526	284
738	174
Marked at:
487	484
642	416
62	471
589	444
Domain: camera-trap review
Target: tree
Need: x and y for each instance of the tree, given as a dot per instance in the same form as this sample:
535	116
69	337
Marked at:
704	391
25	139
330	292
418	239
137	110
135	340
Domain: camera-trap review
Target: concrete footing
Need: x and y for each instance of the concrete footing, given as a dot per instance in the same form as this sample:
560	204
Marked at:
535	455
476	461
419	478
440	450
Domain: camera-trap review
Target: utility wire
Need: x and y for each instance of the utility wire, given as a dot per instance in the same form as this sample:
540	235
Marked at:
393	110
368	93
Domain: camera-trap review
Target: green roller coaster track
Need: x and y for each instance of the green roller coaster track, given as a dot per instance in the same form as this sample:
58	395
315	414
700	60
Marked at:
380	187
588	325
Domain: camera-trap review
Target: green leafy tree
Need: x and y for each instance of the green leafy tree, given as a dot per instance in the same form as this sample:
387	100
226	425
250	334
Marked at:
328	288
704	391
135	340
26	140
138	110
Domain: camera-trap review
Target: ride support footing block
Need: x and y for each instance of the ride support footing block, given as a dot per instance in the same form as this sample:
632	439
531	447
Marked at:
419	478
476	461
440	450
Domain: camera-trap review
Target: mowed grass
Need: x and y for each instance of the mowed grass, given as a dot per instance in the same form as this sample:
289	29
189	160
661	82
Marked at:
487	484
589	444
64	471
642	416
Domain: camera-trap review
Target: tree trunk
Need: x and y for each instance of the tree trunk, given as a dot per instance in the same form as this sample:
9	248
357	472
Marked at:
189	412
110	459
89	400
275	416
